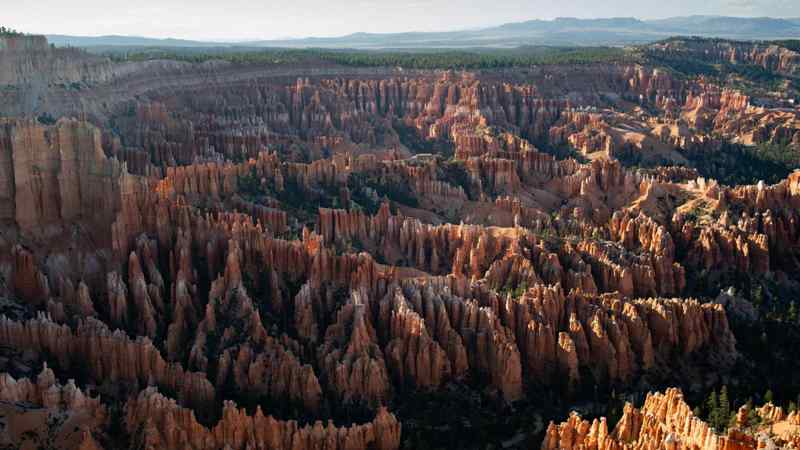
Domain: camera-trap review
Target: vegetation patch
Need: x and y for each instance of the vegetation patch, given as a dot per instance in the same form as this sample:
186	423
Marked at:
735	164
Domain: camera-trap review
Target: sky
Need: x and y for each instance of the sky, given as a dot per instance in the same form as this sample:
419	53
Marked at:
271	19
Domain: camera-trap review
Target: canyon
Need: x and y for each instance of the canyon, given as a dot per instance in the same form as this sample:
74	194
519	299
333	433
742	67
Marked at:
313	255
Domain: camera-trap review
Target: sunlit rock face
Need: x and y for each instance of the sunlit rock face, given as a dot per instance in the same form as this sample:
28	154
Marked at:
664	421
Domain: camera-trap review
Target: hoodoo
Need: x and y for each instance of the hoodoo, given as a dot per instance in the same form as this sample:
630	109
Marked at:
227	248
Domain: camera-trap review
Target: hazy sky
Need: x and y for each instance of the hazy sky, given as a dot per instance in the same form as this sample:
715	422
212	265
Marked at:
254	19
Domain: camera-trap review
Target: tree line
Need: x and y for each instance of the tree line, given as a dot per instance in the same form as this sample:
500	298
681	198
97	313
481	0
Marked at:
720	408
415	59
9	32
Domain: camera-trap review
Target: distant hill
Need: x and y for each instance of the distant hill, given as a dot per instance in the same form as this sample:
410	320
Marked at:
765	27
61	40
561	31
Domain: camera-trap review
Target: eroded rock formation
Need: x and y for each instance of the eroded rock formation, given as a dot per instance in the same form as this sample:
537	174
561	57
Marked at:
664	421
286	243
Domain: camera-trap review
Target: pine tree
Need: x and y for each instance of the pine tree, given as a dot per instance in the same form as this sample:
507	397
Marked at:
724	413
757	295
5	31
713	408
768	396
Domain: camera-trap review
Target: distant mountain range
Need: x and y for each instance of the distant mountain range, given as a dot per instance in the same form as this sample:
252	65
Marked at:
560	31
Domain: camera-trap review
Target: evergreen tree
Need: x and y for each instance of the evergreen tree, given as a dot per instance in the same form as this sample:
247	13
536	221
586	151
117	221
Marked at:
724	411
757	295
9	32
768	396
712	404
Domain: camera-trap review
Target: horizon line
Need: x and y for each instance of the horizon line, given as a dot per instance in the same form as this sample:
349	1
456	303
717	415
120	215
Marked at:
292	38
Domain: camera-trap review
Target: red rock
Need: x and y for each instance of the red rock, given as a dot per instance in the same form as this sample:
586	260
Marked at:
167	425
664	420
